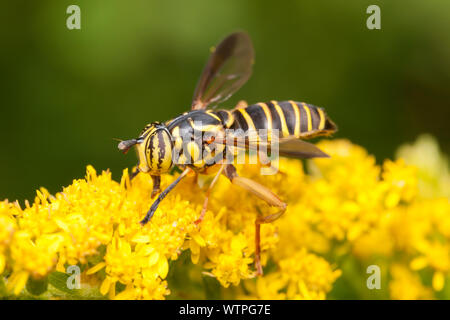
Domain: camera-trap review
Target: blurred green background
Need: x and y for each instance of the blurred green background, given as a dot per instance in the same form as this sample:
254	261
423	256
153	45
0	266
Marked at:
65	94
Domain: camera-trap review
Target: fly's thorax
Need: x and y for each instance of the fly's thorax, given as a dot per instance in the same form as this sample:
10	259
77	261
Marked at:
192	135
155	149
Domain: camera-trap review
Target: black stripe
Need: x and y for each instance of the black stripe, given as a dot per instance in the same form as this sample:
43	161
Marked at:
289	115
303	118
162	149
276	122
240	121
258	116
315	117
205	119
148	146
223	115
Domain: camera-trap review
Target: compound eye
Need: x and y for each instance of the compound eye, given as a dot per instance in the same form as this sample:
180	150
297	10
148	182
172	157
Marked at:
160	152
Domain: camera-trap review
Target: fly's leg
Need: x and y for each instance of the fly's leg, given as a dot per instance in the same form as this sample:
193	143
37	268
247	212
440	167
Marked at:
156	182
258	222
131	176
156	186
263	193
134	174
162	195
205	203
195	179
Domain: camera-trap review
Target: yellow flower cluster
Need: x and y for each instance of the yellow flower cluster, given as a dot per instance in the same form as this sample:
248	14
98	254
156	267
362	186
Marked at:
344	214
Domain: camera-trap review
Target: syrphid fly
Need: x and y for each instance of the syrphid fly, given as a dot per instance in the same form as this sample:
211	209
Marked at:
197	141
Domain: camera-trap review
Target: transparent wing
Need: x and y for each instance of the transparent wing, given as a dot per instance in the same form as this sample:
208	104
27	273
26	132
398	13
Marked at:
228	68
288	147
297	148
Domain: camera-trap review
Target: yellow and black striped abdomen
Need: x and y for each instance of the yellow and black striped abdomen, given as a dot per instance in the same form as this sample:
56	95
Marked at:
291	118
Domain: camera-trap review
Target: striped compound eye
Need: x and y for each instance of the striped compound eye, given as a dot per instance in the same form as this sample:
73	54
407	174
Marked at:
155	150
159	151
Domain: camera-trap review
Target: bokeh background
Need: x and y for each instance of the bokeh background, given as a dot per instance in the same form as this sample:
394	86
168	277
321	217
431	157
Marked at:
65	94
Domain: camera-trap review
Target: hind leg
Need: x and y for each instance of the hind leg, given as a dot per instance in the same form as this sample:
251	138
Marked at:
264	194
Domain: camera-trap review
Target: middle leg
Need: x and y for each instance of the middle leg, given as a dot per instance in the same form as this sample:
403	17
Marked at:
205	203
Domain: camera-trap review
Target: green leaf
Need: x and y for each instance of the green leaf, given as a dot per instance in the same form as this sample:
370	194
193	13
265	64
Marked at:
37	286
59	281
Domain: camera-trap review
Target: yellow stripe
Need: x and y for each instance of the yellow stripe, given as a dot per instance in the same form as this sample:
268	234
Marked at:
308	114
297	118
182	159
209	127
148	148
284	127
193	150
247	118
166	162
148	131
251	126
322	119
178	141
268	116
210	112
230	119
155	151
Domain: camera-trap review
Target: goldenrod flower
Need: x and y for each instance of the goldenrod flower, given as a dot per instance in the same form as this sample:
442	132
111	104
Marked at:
406	285
432	165
346	210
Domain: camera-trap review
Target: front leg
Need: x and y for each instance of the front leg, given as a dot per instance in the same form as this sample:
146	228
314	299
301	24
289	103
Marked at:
156	186
134	174
156	182
162	195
